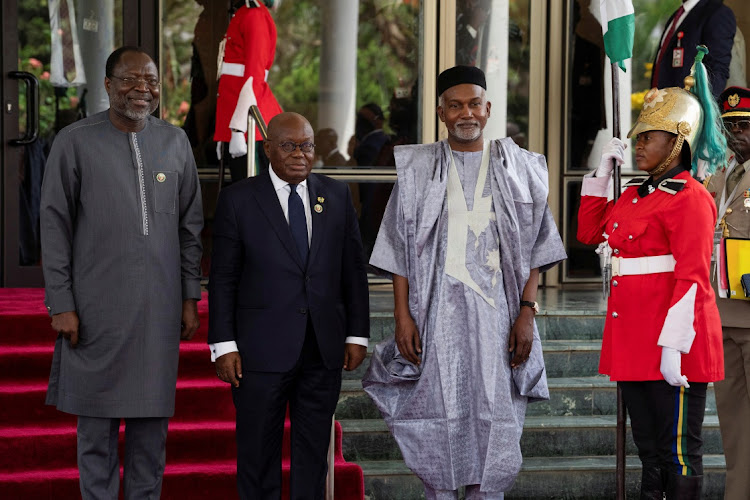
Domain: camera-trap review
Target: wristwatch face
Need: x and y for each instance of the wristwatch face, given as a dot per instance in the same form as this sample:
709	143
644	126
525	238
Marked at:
533	305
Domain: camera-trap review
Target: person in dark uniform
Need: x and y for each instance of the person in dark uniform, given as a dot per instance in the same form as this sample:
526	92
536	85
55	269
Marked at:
730	188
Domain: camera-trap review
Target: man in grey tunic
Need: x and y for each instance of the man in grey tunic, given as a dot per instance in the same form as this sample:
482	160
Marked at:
121	217
465	234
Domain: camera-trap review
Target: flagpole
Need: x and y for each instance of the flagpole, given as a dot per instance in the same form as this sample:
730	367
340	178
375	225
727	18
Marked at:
616	124
621	411
618	28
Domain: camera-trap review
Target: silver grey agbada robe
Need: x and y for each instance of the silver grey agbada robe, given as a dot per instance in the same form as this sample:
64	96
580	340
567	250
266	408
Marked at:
121	217
458	418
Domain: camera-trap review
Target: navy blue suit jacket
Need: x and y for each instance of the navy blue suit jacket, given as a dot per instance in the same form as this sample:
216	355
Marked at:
709	23
260	291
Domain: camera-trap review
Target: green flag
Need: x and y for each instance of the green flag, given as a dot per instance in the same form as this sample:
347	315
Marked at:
618	25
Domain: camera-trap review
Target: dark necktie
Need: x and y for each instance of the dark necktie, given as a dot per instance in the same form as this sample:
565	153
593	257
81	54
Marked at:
734	178
66	39
664	45
298	222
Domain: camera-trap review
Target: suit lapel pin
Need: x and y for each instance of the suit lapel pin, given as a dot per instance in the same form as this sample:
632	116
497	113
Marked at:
319	206
161	177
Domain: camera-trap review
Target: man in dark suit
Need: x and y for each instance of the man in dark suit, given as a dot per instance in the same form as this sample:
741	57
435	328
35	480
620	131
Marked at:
695	22
288	303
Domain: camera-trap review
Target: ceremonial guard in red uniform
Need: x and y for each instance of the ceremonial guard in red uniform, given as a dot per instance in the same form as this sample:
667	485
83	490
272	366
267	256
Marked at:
249	48
662	336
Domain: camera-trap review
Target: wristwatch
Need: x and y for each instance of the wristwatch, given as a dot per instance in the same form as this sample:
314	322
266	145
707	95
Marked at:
533	305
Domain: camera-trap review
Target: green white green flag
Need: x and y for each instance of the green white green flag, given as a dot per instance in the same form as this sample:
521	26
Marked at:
618	25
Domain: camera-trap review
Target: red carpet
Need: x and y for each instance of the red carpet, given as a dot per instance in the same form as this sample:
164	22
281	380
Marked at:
38	443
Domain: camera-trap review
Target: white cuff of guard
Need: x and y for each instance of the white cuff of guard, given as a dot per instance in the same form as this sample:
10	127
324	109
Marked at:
678	331
596	186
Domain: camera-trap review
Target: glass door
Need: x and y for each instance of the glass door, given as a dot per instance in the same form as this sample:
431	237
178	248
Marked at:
355	70
53	58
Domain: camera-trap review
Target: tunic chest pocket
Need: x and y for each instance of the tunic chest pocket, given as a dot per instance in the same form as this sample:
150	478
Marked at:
165	191
628	234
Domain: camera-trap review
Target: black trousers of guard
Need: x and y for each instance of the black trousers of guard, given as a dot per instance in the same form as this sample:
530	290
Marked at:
312	392
667	423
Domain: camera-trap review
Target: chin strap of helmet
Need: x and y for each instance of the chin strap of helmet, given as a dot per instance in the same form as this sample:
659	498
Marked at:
655	173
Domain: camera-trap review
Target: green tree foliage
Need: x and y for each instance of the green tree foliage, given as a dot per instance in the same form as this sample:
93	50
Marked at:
34	57
34	53
179	21
387	54
519	53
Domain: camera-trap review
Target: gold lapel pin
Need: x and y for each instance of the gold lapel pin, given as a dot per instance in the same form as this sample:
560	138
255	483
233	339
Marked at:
161	177
318	208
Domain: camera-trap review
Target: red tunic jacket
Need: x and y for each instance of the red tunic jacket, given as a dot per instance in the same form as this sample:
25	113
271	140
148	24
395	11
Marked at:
249	52
647	311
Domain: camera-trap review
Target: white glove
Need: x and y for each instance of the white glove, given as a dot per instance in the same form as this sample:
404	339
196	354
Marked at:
237	144
219	150
671	367
614	150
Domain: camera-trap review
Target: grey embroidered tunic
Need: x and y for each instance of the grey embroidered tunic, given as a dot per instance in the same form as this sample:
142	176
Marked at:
121	217
466	233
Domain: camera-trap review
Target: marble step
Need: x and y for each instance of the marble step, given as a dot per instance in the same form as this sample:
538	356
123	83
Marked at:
563	358
365	440
571	396
542	478
552	325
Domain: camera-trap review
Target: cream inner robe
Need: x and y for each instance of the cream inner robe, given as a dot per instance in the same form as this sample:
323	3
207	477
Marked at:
461	220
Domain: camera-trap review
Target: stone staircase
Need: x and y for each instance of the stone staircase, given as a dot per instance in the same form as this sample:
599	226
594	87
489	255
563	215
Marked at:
568	442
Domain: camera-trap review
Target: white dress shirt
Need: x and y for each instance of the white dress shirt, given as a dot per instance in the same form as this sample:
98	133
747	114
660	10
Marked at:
282	192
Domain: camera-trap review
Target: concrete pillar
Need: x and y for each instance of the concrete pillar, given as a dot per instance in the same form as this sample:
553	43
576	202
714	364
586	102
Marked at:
338	68
494	61
96	36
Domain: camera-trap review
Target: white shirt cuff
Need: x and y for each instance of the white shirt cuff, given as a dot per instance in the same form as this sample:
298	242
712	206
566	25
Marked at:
358	340
596	186
221	348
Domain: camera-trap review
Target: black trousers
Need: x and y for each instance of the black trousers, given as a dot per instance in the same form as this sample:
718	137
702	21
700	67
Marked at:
667	423
312	391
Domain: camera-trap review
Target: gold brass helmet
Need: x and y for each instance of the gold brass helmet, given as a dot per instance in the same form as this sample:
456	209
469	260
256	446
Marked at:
672	110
